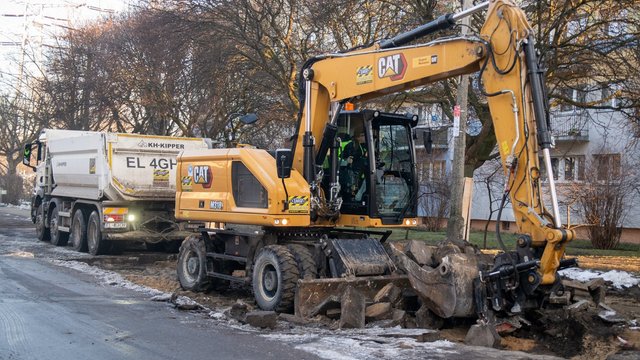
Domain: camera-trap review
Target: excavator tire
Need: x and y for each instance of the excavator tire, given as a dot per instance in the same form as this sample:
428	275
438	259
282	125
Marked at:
192	264
274	277
307	266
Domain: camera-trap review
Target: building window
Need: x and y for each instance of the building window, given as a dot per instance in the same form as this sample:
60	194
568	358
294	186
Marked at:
578	95
438	169
569	168
554	166
567	93
574	168
575	27
581	165
609	93
607	166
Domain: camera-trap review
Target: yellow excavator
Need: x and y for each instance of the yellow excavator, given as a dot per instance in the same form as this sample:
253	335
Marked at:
316	215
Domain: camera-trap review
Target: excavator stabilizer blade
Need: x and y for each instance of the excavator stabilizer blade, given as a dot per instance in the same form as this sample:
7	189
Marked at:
313	295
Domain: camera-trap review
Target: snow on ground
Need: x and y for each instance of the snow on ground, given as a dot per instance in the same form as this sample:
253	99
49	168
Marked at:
364	343
618	279
107	277
22	206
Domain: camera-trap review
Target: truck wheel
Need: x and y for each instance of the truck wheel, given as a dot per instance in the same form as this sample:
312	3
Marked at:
41	230
79	232
275	274
192	264
307	266
95	244
58	238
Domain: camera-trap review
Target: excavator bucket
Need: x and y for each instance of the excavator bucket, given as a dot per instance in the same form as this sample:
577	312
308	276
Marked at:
315	296
446	289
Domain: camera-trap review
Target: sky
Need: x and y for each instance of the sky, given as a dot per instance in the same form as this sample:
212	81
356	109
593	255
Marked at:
29	25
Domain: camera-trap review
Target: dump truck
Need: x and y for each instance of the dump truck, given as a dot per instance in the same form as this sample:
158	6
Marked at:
306	224
98	189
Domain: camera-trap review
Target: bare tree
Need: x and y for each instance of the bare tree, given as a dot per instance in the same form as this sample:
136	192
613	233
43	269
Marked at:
491	178
603	198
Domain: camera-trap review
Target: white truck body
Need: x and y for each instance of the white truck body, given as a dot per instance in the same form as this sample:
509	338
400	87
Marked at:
118	167
127	182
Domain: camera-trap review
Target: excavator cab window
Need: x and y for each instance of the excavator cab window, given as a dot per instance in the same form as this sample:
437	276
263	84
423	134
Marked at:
393	175
247	190
353	162
381	142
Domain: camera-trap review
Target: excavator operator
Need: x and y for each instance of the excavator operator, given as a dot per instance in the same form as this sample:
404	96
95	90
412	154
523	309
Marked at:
354	161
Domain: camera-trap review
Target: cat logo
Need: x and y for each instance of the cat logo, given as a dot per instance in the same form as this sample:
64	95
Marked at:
202	175
392	66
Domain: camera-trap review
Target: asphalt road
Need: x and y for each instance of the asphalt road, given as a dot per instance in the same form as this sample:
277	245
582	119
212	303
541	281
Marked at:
51	312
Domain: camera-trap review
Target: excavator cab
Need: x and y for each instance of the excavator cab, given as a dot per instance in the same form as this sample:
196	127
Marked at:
377	165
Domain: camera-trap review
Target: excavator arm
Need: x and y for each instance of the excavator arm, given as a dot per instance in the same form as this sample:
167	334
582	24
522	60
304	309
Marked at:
505	57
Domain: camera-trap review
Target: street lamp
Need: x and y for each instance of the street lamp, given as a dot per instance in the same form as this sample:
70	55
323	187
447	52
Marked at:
246	119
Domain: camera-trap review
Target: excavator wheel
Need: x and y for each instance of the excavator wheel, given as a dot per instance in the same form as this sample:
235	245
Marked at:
307	266
192	264
275	276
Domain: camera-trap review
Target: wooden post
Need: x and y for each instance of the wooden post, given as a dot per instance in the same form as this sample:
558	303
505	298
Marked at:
467	196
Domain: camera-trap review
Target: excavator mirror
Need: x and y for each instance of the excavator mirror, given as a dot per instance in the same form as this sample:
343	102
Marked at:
283	163
414	121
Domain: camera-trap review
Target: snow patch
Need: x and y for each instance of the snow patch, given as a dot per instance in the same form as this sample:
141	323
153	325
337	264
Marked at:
364	343
161	298
22	254
216	315
618	279
107	277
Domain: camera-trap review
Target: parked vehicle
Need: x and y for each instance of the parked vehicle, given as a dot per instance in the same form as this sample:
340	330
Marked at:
99	188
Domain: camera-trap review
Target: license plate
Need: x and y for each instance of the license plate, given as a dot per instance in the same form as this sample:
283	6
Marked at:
115	225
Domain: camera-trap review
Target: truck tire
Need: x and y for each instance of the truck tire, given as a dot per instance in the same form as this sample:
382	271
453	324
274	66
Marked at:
41	230
307	266
58	238
192	264
95	244
274	277
79	232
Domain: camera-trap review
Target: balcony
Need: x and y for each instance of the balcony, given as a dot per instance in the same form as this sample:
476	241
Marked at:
570	125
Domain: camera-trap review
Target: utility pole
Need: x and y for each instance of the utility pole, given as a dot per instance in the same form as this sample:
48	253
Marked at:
456	223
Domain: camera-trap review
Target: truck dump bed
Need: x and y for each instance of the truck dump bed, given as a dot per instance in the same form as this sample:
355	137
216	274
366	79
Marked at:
113	166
